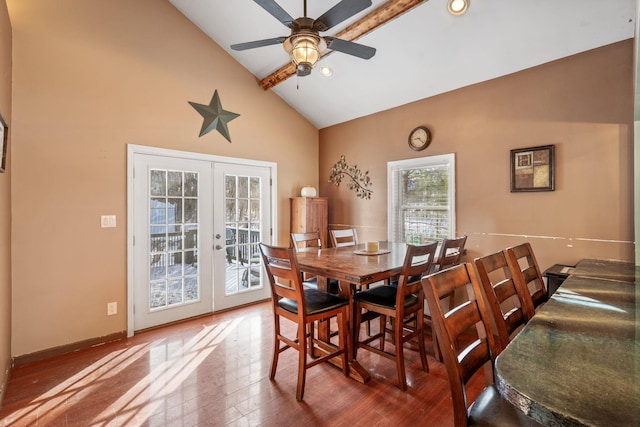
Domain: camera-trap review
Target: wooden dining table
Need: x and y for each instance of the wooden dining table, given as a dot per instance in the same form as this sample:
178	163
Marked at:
354	268
577	361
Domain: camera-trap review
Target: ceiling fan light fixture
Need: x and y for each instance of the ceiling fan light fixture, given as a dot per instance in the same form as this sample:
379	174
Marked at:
305	51
458	7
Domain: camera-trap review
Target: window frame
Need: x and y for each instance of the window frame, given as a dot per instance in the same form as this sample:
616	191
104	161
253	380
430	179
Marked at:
394	208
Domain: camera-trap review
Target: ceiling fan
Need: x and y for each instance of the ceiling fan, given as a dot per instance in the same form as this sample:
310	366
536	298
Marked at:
305	45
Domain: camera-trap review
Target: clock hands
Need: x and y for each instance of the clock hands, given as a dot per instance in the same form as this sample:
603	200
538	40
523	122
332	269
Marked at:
419	138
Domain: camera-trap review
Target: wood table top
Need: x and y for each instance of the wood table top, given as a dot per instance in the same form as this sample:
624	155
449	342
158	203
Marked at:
343	264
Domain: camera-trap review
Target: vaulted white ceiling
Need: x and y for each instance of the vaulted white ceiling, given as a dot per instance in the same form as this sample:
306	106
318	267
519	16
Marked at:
422	53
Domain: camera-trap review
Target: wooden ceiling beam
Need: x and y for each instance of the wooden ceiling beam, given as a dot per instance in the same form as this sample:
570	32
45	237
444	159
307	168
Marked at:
378	17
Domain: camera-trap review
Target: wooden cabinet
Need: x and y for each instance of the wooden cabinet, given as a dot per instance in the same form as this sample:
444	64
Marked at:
310	214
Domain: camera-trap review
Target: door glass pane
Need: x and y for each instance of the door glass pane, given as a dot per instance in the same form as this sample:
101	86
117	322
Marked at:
158	183
174	237
255	188
230	209
175	183
243	234
255	211
243	212
230	186
190	184
190	211
243	187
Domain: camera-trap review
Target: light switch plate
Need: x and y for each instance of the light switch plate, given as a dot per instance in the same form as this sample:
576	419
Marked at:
108	221
112	308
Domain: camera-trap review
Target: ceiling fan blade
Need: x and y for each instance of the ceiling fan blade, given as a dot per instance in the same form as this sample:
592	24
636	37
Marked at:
276	11
350	48
338	13
258	43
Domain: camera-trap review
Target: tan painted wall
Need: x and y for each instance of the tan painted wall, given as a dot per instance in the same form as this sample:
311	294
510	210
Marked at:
90	77
5	202
582	104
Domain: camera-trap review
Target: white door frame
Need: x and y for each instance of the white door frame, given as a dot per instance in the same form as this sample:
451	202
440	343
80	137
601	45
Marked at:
132	151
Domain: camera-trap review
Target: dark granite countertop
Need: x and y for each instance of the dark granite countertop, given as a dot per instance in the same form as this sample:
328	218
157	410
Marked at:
607	269
577	361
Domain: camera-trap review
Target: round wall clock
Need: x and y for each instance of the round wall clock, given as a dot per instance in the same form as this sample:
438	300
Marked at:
419	138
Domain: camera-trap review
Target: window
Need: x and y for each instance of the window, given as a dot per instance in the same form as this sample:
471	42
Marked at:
421	199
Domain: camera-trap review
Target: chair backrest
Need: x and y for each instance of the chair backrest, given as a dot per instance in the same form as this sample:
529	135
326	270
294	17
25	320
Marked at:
417	262
302	241
528	278
501	296
340	238
450	253
284	275
463	354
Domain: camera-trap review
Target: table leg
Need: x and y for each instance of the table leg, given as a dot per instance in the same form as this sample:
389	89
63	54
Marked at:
356	371
324	333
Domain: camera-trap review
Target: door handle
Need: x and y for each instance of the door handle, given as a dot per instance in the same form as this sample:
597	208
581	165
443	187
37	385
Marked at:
218	247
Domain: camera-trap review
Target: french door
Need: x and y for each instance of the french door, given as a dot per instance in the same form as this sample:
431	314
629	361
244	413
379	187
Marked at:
242	220
195	223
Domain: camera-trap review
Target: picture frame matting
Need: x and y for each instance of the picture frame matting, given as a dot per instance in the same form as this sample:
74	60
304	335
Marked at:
533	169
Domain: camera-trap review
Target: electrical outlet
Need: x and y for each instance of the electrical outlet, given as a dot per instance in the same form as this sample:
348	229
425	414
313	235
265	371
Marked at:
112	308
107	221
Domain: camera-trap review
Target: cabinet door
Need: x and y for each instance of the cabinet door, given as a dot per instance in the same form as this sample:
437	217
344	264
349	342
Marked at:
317	219
309	214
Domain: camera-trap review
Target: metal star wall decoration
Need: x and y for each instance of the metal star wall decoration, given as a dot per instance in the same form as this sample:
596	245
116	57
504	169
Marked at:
214	116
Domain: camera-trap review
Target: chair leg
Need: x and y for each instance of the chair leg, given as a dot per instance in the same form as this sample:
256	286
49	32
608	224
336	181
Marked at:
276	348
383	330
311	327
422	348
397	337
302	362
436	347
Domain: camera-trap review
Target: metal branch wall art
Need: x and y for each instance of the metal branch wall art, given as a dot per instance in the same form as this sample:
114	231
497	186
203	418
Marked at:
358	180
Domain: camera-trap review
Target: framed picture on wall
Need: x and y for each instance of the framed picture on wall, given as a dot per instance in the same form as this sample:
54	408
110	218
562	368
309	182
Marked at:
533	169
4	132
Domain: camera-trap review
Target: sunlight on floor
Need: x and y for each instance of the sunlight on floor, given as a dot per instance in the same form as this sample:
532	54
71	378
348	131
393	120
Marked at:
141	401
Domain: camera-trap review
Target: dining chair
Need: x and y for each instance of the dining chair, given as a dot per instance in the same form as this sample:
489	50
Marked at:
302	306
306	241
466	354
345	238
310	242
501	296
403	305
341	238
528	278
450	254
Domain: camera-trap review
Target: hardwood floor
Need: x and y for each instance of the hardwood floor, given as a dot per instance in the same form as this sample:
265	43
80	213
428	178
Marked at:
213	371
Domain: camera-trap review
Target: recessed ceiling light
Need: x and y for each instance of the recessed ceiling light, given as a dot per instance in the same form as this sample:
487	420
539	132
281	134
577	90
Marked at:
326	71
458	7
